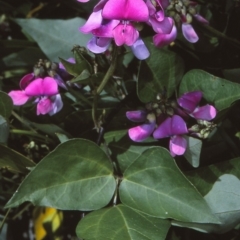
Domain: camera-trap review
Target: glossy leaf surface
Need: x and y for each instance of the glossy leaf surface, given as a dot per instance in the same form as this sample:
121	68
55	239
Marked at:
160	73
121	223
154	185
77	175
218	91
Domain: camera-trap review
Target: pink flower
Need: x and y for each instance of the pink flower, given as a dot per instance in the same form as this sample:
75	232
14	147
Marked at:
173	127
45	92
189	102
141	132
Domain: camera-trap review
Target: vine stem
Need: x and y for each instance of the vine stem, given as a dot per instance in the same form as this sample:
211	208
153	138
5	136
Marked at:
105	80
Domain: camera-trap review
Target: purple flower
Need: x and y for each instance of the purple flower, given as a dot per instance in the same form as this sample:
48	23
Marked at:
114	19
45	92
173	127
189	102
141	132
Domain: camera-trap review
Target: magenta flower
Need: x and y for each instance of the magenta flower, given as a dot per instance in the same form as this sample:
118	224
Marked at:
45	92
173	127
189	102
114	19
141	132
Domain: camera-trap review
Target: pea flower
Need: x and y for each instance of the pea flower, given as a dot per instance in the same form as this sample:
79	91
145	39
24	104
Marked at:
173	127
189	102
141	132
183	12
114	19
45	92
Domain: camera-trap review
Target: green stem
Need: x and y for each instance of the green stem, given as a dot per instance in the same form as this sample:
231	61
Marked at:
220	34
105	80
4	219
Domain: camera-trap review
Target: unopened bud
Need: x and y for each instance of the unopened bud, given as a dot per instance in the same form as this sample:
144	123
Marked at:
151	117
188	18
195	128
192	10
170	111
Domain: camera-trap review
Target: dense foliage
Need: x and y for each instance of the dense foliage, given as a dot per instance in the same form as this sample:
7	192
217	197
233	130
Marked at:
119	119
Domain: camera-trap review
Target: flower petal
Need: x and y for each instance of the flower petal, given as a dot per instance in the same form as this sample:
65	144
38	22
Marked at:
161	40
18	97
106	29
178	126
26	80
164	130
125	34
44	106
133	10
140	50
189	33
190	100
94	21
165	26
177	145
136	116
42	87
57	104
142	132
207	112
93	47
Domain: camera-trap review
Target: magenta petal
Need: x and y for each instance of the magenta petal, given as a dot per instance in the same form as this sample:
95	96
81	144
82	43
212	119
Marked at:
164	129
42	87
178	126
189	33
125	34
94	21
18	97
190	100
133	10
161	40
207	112
57	104
26	80
142	132
93	47
151	8
164	26
106	29
136	116
177	145
140	50
160	15
44	106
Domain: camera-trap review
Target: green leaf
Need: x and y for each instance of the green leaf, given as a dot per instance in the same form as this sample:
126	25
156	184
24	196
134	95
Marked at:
123	149
121	223
154	185
220	186
222	93
4	130
193	151
77	175
159	73
14	161
6	105
55	37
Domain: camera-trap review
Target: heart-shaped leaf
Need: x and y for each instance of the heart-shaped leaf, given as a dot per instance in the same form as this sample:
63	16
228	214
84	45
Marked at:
154	185
121	223
77	175
222	93
160	73
220	186
55	37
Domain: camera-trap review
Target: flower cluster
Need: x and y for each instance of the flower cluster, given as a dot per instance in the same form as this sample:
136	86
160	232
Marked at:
122	20
168	119
42	85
